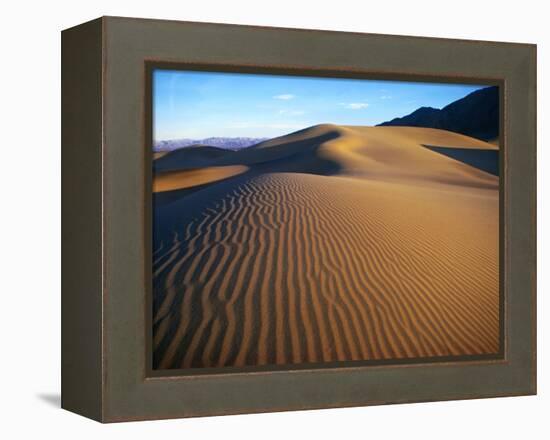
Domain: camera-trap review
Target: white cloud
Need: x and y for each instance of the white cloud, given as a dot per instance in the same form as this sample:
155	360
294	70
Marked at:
385	97
284	96
355	105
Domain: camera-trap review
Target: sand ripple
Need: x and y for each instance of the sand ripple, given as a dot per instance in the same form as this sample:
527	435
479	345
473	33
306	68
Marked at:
286	268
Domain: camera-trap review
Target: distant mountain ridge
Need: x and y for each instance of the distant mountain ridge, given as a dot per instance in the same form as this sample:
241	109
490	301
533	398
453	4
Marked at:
230	143
475	115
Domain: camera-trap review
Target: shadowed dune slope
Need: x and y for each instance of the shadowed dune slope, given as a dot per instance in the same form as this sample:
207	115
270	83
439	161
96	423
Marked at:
338	243
194	156
483	159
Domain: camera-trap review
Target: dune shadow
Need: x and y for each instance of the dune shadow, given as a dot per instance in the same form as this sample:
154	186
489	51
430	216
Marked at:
485	160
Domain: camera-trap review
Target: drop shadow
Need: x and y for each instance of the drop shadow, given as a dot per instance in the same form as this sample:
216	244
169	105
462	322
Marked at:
52	399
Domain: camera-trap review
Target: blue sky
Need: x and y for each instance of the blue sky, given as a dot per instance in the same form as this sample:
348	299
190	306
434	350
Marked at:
197	105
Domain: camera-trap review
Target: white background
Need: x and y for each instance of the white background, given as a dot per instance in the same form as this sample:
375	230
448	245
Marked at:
30	219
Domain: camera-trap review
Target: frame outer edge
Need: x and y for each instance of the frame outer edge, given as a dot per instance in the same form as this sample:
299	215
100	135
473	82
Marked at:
81	212
125	395
534	78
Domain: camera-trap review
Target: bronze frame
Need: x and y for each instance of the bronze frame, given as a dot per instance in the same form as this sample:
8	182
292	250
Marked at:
106	192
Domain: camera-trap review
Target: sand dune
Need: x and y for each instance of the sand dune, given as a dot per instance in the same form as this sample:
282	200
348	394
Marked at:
190	157
336	243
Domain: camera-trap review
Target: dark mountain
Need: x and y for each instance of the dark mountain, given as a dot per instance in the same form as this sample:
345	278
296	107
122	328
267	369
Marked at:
476	115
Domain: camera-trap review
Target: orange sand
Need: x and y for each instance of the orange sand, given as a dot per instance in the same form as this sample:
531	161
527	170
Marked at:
173	180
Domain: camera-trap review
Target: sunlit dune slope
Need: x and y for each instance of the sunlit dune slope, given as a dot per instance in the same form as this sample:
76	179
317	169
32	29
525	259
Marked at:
337	243
398	153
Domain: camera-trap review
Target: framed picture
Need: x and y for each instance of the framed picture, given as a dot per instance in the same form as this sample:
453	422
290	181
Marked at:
263	219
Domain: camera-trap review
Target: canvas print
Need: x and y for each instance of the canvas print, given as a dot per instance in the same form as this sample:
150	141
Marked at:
310	221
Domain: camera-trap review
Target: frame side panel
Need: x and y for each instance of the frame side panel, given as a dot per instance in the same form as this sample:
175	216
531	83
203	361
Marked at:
81	213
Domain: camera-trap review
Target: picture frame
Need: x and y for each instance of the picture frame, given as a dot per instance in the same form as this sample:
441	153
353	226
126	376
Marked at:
106	218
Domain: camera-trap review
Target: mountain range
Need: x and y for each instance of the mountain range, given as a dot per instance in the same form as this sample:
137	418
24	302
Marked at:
229	143
475	115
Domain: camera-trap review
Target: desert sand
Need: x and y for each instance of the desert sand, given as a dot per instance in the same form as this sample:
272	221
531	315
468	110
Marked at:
334	243
173	180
